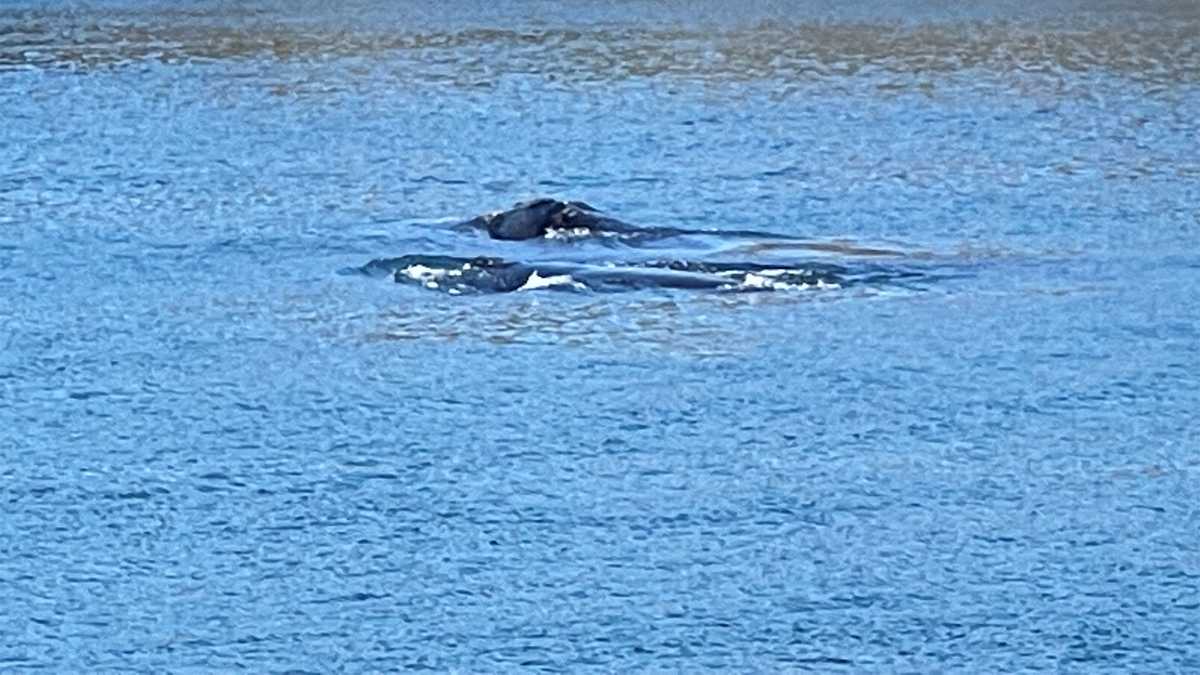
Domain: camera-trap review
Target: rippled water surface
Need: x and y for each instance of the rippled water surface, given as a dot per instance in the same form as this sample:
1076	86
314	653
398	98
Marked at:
221	453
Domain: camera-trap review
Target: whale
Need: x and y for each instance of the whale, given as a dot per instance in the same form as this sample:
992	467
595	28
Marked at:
483	274
551	218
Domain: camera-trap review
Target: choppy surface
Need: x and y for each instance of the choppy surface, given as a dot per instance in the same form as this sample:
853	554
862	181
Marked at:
219	452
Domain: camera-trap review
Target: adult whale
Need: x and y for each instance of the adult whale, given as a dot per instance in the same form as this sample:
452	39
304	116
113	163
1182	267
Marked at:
483	274
547	217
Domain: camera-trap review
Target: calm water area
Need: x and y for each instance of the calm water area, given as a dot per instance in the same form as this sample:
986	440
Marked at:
221	452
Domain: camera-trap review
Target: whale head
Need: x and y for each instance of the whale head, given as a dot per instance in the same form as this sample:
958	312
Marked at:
527	220
532	219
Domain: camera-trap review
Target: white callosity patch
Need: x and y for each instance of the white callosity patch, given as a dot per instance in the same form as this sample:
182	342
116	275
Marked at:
431	277
428	276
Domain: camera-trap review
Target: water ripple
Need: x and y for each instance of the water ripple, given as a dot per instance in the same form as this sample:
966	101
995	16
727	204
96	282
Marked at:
220	455
1153	50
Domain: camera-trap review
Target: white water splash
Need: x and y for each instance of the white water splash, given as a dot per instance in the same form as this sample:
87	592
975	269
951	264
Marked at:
536	281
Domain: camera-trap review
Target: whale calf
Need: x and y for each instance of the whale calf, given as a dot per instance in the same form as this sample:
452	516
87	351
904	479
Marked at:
537	218
547	217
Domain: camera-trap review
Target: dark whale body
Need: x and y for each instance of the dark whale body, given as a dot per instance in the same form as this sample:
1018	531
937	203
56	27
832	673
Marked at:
546	217
537	218
460	275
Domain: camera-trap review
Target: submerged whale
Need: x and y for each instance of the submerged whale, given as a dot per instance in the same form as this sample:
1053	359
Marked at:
551	218
459	275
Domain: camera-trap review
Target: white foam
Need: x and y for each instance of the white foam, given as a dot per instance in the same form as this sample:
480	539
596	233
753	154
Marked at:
758	281
536	281
566	233
765	280
768	273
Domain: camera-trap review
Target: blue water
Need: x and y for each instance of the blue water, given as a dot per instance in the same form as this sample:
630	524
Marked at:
219	453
